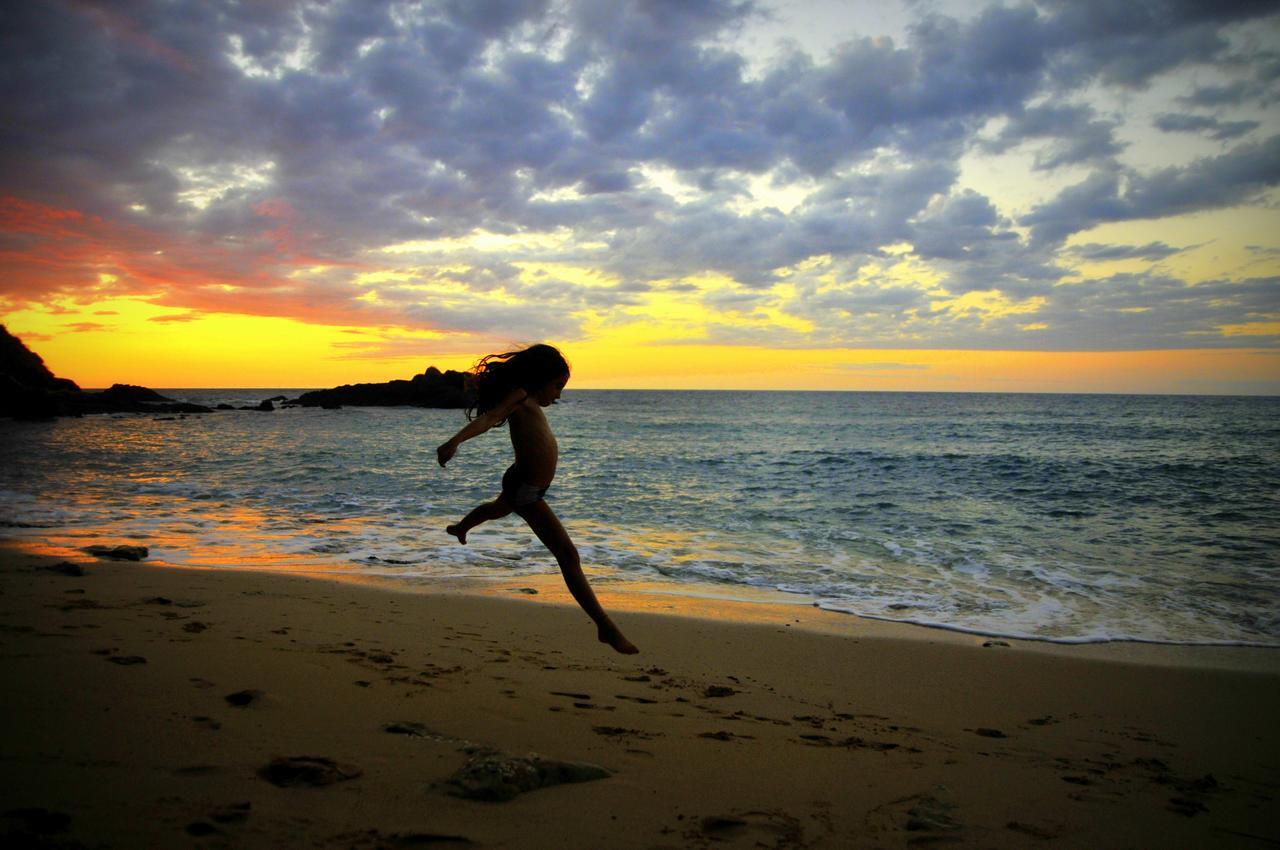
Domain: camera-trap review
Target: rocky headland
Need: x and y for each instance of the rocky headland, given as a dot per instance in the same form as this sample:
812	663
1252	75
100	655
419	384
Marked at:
432	388
29	390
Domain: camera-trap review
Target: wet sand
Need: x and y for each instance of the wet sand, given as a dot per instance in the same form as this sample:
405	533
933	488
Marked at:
154	706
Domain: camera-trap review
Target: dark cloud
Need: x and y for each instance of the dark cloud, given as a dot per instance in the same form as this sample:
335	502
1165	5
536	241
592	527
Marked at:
1181	122
1128	44
1125	195
1153	251
1074	135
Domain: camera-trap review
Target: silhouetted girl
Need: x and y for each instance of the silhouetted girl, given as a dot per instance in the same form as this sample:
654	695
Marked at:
514	387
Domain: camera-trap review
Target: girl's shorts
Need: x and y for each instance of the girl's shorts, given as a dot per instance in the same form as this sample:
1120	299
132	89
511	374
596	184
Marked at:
517	492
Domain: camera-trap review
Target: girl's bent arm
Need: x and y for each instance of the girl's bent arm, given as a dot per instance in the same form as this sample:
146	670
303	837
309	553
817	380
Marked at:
480	424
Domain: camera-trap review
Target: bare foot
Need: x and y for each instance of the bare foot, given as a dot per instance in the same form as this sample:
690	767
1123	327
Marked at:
461	534
609	634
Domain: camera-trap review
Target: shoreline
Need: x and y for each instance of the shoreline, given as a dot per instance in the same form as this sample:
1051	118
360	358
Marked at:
155	706
706	601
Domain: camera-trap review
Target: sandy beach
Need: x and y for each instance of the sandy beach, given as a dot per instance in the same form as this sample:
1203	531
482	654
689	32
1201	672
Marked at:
152	706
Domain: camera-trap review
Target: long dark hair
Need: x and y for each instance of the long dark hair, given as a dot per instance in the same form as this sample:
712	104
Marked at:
529	369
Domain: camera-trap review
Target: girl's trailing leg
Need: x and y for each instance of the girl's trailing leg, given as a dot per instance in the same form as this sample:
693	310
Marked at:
546	525
496	509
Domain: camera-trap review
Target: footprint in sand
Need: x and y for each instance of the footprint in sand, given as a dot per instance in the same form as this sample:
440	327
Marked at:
929	814
307	772
988	733
722	735
405	727
245	698
397	840
67	568
231	813
622	733
1043	832
760	829
36	821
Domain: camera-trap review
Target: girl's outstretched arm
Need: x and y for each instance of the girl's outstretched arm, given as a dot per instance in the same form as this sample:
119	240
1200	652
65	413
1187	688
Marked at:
480	424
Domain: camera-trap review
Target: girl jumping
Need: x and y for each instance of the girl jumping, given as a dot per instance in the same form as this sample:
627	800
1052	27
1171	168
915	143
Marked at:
514	387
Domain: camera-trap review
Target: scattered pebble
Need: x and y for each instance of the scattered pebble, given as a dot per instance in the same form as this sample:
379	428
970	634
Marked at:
118	553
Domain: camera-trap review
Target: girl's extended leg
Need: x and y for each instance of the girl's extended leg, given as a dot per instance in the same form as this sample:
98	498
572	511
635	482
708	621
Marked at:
547	526
496	509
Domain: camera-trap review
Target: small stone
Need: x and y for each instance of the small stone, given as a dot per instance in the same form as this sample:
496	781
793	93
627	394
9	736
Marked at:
127	660
1186	806
118	553
718	691
66	568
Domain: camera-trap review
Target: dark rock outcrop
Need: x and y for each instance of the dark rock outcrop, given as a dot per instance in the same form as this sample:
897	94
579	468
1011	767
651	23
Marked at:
28	390
27	368
122	398
497	777
432	388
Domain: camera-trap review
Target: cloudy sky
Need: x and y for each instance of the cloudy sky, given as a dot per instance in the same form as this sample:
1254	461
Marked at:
1066	194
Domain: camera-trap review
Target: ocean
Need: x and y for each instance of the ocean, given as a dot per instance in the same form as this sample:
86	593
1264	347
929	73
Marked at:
1070	518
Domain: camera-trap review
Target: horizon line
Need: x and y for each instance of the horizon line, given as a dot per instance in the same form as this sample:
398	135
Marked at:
786	390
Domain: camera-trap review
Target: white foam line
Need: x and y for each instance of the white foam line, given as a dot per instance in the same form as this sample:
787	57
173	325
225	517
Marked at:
1073	641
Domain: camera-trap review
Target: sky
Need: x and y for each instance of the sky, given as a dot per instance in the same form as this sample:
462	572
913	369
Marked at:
1058	196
